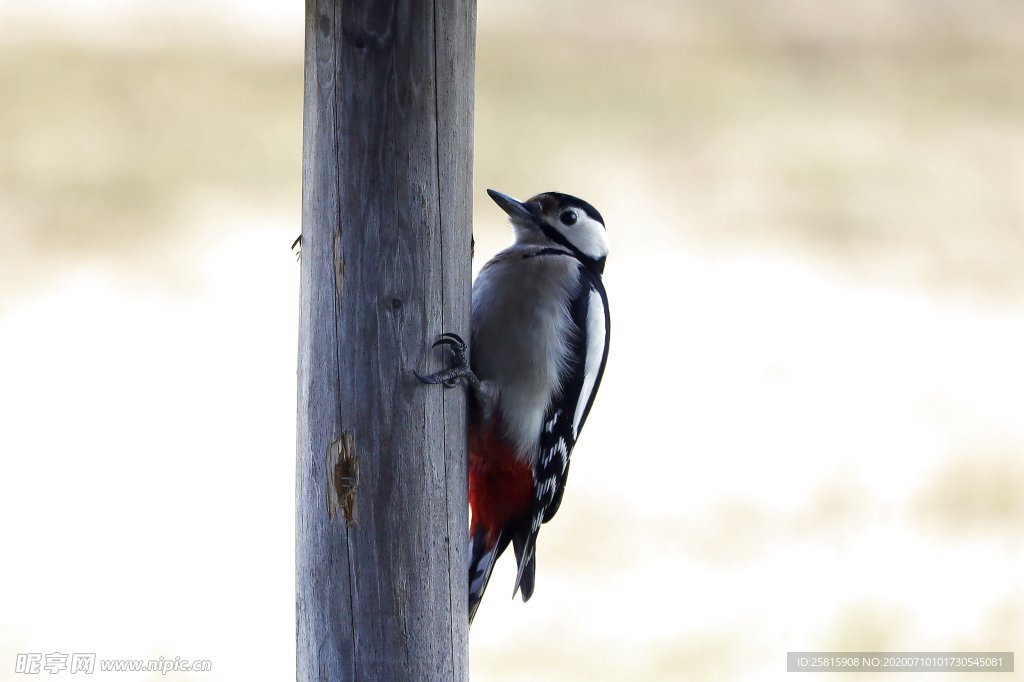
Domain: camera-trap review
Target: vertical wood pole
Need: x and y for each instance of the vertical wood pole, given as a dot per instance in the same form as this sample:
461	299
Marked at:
381	527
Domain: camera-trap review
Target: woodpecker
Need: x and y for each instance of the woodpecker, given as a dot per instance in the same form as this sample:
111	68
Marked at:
539	338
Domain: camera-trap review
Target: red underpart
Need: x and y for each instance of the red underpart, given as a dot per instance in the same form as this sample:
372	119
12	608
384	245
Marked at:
500	484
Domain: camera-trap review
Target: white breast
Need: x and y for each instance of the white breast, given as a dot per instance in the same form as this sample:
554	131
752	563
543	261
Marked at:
521	326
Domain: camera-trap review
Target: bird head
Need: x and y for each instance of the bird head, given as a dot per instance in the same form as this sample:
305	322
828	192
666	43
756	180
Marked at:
557	220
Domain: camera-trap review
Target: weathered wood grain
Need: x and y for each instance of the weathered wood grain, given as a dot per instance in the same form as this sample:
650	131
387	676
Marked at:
381	463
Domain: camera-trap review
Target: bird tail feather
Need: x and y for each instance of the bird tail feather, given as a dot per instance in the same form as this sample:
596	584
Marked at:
481	562
525	546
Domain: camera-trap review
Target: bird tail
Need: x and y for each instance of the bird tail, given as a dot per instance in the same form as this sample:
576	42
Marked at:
525	545
482	557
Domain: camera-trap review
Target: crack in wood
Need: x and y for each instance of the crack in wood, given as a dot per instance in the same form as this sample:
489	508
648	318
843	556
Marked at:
342	478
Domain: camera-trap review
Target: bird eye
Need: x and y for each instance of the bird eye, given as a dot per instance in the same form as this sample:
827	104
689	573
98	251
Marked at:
568	217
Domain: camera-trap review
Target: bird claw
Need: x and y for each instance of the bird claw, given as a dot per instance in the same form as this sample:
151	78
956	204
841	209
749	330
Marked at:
457	347
450	339
450	378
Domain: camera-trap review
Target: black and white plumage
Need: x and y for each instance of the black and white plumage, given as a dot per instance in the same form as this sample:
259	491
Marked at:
539	344
567	412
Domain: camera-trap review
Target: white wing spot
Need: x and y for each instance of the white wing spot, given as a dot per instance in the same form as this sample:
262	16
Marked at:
546	488
595	351
563	450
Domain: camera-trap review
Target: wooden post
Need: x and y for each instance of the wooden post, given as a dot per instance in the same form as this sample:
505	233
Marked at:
381	518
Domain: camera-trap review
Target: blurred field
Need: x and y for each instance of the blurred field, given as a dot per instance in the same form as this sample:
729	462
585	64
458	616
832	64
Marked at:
883	137
108	150
810	436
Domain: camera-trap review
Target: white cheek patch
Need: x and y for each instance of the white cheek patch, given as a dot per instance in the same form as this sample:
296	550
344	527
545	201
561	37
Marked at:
587	235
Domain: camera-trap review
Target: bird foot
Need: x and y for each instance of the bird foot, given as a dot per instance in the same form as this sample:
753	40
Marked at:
460	373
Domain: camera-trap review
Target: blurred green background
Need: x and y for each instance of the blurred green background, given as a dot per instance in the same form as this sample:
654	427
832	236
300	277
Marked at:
811	432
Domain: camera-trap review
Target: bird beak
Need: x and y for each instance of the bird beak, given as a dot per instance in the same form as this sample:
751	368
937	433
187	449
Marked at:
515	208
